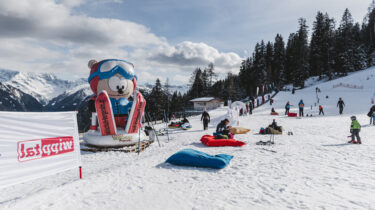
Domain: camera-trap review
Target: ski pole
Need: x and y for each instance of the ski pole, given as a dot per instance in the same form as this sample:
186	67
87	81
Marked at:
166	125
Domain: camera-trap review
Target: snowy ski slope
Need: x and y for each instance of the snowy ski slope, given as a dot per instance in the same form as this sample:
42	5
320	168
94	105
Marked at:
313	169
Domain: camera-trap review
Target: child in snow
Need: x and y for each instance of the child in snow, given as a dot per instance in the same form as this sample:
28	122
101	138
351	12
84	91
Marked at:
355	127
321	110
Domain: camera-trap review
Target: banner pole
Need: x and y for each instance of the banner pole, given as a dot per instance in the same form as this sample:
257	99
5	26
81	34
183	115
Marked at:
80	172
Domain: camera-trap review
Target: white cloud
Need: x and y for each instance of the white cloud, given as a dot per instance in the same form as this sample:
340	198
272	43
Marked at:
196	54
44	19
45	36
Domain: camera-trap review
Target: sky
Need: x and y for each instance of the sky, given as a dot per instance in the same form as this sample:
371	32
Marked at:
162	38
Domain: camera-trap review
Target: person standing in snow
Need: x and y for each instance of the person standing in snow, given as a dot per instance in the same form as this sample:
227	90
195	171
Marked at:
301	106
271	101
251	107
206	119
355	128
287	107
341	105
371	114
321	110
252	102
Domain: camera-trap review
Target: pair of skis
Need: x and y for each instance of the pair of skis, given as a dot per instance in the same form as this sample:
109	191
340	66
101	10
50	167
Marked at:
107	120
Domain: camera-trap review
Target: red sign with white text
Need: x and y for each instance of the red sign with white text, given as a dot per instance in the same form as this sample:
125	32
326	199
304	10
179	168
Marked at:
42	148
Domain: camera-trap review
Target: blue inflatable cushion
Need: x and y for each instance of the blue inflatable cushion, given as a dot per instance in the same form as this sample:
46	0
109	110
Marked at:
191	157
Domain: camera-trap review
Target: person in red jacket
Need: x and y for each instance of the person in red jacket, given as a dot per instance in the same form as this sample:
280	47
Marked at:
321	110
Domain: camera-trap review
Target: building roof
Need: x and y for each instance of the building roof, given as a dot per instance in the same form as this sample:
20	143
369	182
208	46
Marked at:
203	99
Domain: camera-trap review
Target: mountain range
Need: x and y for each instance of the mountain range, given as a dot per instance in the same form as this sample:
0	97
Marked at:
25	91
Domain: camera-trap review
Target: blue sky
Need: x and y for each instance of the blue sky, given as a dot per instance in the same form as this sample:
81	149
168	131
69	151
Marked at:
163	38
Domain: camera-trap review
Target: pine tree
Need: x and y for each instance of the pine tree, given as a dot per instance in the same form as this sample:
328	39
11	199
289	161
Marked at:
302	55
368	34
271	78
291	58
197	84
157	101
321	46
278	65
211	74
259	64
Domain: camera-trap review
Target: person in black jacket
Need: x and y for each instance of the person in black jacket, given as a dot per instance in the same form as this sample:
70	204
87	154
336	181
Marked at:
341	105
185	120
206	119
371	114
223	128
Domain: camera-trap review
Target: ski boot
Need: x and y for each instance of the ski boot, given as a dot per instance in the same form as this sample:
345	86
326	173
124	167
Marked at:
358	142
352	142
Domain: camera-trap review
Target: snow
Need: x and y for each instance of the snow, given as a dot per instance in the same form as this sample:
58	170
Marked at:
312	169
203	99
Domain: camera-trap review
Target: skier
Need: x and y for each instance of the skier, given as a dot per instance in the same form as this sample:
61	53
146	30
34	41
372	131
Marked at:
206	119
271	101
371	114
341	105
287	107
355	128
301	105
321	110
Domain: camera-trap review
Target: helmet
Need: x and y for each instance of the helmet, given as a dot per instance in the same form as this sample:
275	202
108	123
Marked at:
107	68
353	118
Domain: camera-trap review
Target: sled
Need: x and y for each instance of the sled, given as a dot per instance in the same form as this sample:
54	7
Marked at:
291	114
135	116
212	142
239	130
105	115
186	126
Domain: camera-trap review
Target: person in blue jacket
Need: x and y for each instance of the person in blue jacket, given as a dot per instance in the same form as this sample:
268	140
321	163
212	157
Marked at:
301	106
287	107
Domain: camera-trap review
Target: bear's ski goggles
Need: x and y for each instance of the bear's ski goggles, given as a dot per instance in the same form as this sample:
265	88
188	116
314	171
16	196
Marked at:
110	67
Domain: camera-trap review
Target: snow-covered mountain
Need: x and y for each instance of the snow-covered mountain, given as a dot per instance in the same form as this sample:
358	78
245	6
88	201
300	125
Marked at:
13	99
42	86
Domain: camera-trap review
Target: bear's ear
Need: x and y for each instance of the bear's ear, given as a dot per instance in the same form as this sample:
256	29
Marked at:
91	63
134	83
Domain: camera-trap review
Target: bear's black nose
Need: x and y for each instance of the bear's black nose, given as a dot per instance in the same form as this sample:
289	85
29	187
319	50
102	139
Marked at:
120	89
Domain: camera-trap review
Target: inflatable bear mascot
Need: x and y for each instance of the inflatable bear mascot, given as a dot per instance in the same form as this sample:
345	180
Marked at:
117	104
